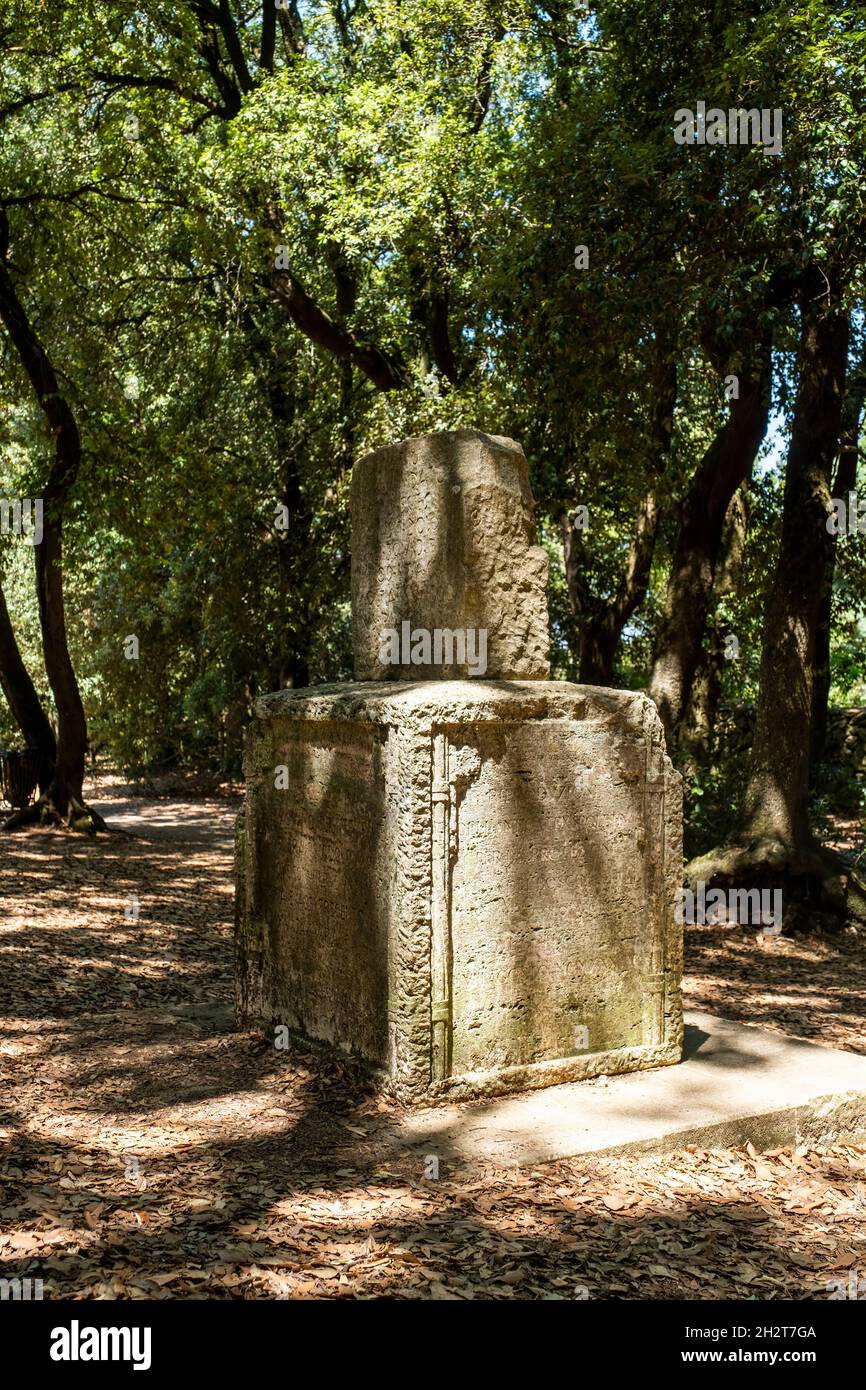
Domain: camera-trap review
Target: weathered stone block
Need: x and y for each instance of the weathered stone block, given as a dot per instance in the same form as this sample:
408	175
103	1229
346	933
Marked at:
472	885
443	540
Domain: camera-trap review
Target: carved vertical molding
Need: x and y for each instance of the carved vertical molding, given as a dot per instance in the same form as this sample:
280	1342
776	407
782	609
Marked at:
440	913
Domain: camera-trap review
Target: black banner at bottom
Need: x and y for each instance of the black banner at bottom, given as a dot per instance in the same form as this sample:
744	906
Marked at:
78	1340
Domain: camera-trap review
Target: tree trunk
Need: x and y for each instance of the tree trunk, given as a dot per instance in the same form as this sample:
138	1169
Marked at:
844	482
22	699
66	792
296	546
599	622
696	730
698	727
65	796
777	795
721	471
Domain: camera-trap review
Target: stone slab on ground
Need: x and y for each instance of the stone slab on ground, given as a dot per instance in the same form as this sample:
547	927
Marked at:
737	1084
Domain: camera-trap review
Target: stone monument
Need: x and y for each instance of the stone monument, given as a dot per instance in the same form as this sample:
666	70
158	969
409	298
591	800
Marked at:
454	867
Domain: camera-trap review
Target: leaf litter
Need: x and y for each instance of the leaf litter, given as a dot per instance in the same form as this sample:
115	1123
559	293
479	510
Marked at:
148	1150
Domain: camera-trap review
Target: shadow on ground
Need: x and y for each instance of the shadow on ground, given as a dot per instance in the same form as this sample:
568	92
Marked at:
149	1150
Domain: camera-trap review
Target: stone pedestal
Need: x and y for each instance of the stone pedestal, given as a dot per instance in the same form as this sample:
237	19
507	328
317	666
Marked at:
471	884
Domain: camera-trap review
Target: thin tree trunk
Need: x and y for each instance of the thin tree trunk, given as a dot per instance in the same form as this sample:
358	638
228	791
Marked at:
599	622
65	795
698	727
296	545
720	473
23	700
67	785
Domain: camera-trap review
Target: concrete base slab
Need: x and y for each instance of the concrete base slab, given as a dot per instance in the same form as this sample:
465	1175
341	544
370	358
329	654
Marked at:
736	1084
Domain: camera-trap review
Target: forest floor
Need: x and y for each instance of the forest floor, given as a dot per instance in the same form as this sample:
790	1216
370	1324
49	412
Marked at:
147	1150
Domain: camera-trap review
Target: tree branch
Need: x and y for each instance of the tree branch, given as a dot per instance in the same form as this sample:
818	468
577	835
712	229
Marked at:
386	372
32	98
157	82
228	29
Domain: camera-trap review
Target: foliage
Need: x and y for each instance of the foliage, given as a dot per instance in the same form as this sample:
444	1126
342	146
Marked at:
428	171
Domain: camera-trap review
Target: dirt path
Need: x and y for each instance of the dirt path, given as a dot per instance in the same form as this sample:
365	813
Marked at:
148	1150
208	823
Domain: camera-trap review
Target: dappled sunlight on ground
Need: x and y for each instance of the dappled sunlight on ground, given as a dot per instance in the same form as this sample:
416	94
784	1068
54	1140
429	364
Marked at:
147	1150
810	987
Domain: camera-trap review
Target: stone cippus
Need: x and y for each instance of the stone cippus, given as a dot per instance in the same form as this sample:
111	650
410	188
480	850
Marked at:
443	647
847	519
446	567
446	889
736	126
730	905
20	516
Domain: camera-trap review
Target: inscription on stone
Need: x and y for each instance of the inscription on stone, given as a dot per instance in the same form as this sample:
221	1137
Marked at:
543	922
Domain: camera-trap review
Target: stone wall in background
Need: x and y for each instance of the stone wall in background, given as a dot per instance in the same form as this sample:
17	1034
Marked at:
846	736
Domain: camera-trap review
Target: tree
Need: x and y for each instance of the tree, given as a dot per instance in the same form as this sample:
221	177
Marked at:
776	807
64	796
775	837
720	474
844	483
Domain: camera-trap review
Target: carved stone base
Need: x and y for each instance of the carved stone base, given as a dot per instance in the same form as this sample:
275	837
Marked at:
470	884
